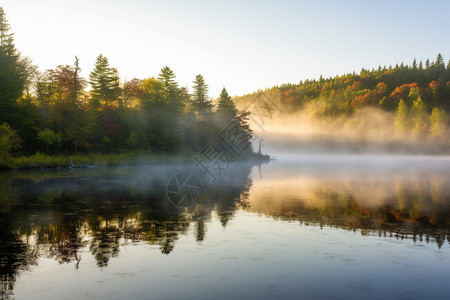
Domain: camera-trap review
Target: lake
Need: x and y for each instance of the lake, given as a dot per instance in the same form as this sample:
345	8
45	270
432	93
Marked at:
301	227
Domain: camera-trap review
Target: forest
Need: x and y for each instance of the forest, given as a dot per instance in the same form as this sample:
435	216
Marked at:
48	115
56	112
417	95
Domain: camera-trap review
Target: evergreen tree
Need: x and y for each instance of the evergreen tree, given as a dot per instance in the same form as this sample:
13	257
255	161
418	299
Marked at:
242	119
439	61
438	68
105	83
183	94
167	77
448	70
414	65
75	90
77	83
12	75
226	109
166	125
170	86
6	38
201	104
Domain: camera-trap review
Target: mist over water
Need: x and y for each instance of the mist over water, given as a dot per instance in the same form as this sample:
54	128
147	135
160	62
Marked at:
369	130
301	217
342	196
334	200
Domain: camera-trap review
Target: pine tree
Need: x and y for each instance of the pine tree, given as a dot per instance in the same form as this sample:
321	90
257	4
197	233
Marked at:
414	64
12	74
448	70
6	38
439	67
226	109
105	83
166	124
201	104
75	90
77	83
439	61
170	86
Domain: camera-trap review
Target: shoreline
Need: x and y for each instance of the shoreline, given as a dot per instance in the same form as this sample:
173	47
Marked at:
40	161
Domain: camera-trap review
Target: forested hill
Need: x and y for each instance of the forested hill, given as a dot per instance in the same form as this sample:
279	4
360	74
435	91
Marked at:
414	92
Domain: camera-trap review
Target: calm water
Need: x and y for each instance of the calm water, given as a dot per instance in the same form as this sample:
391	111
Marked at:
302	227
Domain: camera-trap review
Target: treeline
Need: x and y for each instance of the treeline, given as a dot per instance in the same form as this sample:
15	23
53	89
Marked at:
59	111
418	94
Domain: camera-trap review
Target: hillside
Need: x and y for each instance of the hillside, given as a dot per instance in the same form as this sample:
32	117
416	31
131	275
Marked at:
418	94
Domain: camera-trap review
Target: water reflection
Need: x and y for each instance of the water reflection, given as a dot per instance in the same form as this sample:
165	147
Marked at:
409	199
56	214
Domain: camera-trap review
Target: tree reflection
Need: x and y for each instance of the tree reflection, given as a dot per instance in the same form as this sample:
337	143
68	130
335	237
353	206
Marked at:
15	256
414	207
59	215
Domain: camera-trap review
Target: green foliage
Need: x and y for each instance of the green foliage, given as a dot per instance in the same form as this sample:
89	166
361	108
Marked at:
152	92
54	109
105	83
439	63
170	90
157	115
6	38
49	137
12	74
226	109
39	160
106	140
9	140
132	140
201	104
243	118
383	88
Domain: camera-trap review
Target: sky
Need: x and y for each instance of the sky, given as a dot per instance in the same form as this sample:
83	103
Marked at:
241	45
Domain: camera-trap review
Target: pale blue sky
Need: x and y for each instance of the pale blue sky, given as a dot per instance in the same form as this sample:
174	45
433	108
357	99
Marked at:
242	45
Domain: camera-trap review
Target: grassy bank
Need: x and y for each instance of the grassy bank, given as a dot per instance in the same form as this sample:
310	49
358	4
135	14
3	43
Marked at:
40	160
